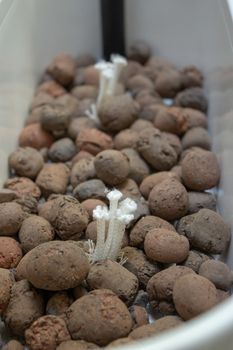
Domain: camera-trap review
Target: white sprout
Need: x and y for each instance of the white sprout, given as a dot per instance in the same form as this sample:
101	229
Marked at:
108	243
109	76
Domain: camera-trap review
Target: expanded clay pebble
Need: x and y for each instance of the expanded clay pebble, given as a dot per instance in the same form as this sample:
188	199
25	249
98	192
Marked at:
200	170
139	316
193	295
124	284
174	141
218	273
25	306
77	345
23	186
34	231
195	259
139	51
58	304
55	117
112	167
7	280
53	178
62	69
117	112
138	168
138	83
126	139
10	253
94	189
47	332
90	204
26	162
11	218
82	170
143	226
205	230
191	76
192	98
77	124
99	317
52	88
85	91
34	136
40	265
196	137
13	345
7	195
93	141
160	325
200	200
166	246
141	124
62	150
169	200
156	150
28	203
150	181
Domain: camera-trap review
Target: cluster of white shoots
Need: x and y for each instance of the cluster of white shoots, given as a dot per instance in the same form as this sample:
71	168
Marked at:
111	225
109	77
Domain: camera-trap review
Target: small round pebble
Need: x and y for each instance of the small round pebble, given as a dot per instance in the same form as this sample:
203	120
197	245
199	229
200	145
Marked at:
139	316
23	186
154	179
138	167
168	83
200	170
126	139
34	231
82	170
99	317
169	200
193	295
62	69
166	246
196	137
10	253
195	259
77	124
124	284
58	304
47	332
94	189
26	162
7	280
13	345
34	136
139	51
200	200
77	345
90	204
55	117
62	150
193	97
93	141
112	167
11	218
218	273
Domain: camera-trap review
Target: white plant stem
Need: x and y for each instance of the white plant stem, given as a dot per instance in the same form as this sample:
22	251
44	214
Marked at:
100	241
117	241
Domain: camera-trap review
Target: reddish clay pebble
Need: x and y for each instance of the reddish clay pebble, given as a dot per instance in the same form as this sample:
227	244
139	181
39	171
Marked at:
117	112
85	91
218	273
90	204
193	295
82	170
156	150
10	253
206	230
67	216
52	88
195	259
160	286
168	83
166	246
7	280
200	200
93	141
139	51
23	186
141	124
55	118
144	225
11	218
169	200
99	317
77	124
171	119
34	231
13	345
41	265
126	139
47	332
192	98
174	141
25	306
139	82
58	304
34	136
124	284
91	76
26	162
62	69
53	178
160	325
200	170
112	167
81	155
138	167
151	181
139	316
196	137
77	345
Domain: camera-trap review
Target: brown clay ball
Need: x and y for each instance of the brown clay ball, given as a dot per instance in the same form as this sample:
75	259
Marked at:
138	167
13	345
139	316
62	69
141	124
218	273
34	231
47	332
77	345
166	246
52	88
152	180
7	280
90	204
139	51
77	124
195	259
200	170
26	162
94	189
193	97
196	137
112	167
85	91
55	117
200	200
40	265
169	200
62	150
11	218
10	253
124	284
117	112
193	295
99	317
34	136
126	139
168	83
82	170
23	186
58	304
171	119
93	141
